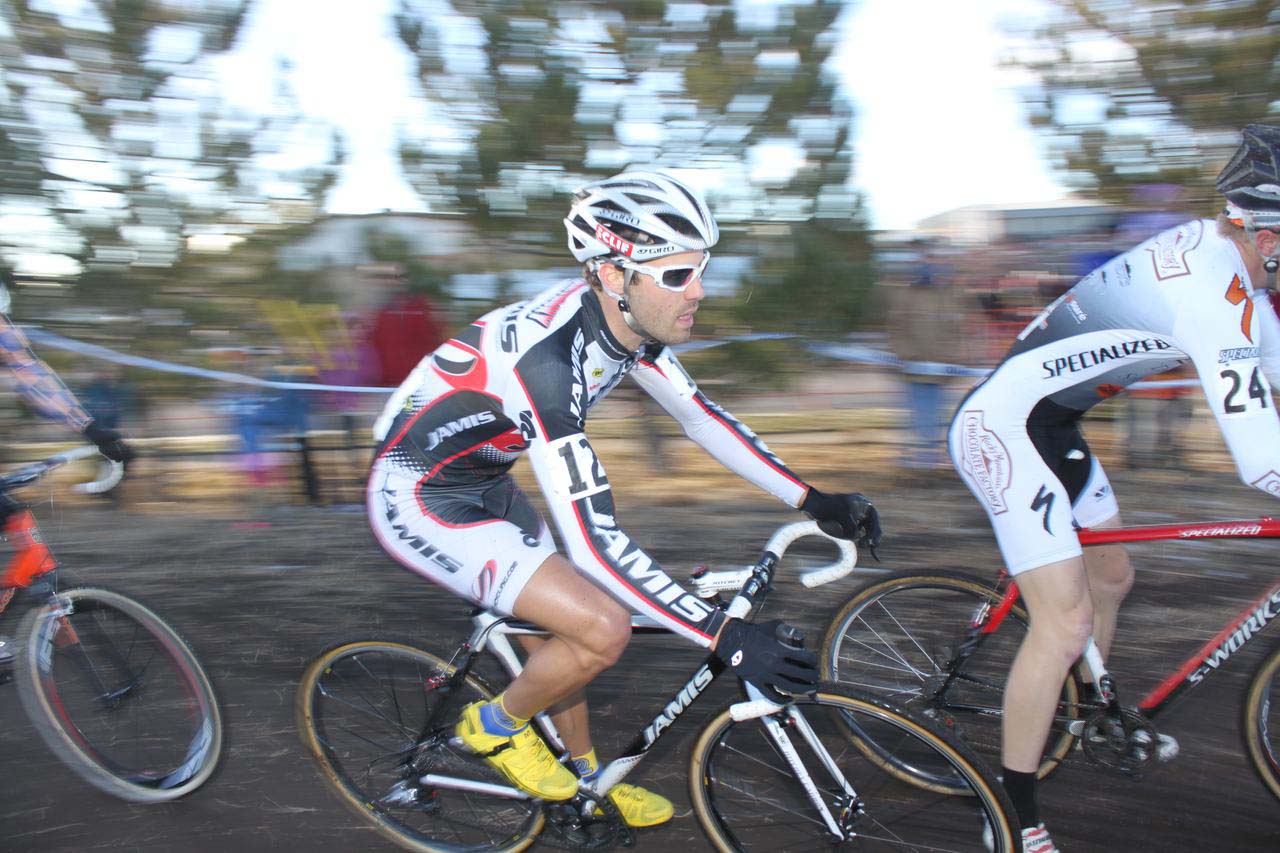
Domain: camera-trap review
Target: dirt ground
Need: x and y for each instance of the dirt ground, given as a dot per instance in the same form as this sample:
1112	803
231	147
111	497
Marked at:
257	601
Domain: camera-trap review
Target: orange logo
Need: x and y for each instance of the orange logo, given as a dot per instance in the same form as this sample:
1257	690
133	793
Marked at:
1235	295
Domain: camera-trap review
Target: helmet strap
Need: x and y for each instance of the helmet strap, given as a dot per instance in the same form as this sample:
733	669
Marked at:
627	317
1271	262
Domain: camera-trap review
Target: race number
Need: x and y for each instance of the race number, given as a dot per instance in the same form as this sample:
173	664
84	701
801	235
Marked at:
1238	394
575	470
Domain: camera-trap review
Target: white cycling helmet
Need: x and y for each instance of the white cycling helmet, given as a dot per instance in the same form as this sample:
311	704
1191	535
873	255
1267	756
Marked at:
639	215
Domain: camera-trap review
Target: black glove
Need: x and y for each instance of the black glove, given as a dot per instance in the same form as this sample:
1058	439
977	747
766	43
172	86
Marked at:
109	442
847	516
759	653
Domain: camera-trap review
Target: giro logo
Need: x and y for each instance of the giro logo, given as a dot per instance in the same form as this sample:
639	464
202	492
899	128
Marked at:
985	460
1269	483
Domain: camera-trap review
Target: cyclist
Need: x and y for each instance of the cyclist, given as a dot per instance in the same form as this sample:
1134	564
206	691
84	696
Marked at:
44	392
1181	296
520	380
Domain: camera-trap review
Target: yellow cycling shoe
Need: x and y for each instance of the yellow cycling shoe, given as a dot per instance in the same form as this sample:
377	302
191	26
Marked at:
523	758
639	807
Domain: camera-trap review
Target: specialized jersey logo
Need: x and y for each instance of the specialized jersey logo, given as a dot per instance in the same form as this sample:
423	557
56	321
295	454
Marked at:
986	460
1235	295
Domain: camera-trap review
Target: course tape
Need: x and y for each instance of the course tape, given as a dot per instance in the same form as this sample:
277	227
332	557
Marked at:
855	353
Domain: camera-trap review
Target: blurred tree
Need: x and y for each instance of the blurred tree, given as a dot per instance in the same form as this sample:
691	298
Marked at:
117	151
537	97
1135	92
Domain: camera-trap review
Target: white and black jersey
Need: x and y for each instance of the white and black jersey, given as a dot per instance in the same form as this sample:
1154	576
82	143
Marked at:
522	379
1182	296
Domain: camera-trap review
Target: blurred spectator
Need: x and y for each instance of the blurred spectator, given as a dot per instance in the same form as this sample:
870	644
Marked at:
404	329
109	398
925	327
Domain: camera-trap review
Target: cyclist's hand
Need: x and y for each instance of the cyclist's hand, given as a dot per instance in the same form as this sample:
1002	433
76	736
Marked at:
109	443
759	653
847	516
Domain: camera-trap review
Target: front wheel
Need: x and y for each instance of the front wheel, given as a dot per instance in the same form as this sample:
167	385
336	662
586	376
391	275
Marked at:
757	784
1261	726
378	717
898	636
118	696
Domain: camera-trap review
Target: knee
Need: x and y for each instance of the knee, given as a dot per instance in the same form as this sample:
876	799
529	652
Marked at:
1065	634
607	635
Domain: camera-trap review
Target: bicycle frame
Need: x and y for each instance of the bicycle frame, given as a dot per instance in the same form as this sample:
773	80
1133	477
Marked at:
493	633
1210	657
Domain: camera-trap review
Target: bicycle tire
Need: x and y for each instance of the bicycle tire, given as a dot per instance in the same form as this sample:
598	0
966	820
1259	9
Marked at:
747	797
1260	721
91	673
898	649
362	707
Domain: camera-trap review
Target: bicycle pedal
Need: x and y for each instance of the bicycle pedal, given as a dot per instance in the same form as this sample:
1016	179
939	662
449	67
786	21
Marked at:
1166	745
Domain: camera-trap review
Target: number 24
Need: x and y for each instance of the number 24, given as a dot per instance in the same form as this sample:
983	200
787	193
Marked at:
1256	391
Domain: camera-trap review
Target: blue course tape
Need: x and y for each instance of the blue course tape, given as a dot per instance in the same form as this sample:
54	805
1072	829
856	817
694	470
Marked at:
854	353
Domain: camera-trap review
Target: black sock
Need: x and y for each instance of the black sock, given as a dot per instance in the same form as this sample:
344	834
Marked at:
1022	790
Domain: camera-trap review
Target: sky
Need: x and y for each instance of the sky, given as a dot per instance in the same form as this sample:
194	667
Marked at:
938	122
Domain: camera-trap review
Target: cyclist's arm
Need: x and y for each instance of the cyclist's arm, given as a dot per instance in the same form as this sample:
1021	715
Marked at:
1240	398
580	500
733	444
36	381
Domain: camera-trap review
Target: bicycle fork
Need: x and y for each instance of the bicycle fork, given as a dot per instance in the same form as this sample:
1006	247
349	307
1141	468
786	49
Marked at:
766	711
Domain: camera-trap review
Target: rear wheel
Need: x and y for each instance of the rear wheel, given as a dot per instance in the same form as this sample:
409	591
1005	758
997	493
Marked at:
896	638
1262	721
118	696
367	708
748	796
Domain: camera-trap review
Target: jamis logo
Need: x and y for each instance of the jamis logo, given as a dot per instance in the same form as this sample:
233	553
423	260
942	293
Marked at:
986	461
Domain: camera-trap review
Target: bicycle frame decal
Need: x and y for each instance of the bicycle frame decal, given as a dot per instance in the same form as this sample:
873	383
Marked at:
1247	625
682	702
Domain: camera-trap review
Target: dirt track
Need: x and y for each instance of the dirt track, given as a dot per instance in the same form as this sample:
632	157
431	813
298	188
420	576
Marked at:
257	603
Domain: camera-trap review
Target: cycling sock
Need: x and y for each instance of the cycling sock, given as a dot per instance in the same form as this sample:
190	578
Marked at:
1022	791
498	721
587	766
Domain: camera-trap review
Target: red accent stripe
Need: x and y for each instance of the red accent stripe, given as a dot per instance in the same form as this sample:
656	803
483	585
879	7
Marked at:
428	407
1164	688
746	442
604	563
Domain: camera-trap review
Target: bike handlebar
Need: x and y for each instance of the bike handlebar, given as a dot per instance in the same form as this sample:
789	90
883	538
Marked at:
709	583
109	473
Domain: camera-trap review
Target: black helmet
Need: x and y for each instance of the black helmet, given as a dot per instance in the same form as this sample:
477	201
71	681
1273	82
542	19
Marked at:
1251	181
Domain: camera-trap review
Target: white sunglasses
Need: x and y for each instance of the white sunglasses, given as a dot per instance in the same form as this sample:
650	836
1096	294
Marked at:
673	277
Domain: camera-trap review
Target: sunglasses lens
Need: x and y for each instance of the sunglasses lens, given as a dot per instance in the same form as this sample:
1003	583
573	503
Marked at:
678	277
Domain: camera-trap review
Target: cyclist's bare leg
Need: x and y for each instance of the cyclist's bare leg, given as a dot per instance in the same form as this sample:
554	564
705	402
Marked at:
1060	609
1110	579
589	631
570	714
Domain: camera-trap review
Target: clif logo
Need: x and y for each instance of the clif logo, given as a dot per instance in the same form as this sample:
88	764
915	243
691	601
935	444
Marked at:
613	241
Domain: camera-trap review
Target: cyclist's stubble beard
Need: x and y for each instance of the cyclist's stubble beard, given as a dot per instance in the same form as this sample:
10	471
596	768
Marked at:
667	316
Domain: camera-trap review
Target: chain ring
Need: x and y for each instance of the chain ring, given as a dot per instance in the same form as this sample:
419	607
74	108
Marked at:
568	829
1127	745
